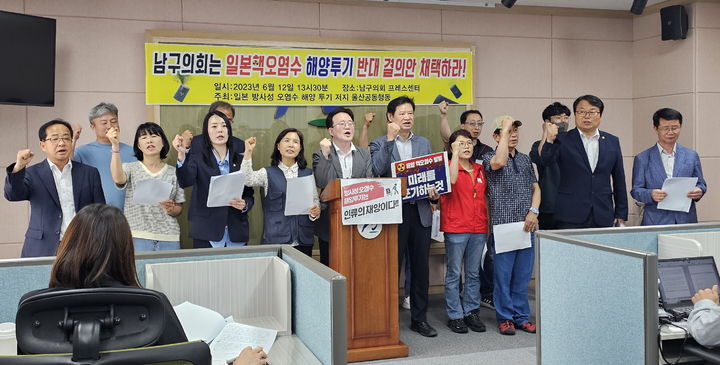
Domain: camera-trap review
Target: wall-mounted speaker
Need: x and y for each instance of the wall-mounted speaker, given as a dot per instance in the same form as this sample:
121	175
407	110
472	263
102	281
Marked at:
674	21
508	3
638	6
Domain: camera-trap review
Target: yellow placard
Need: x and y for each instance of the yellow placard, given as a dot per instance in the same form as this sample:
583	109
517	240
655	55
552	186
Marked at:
182	74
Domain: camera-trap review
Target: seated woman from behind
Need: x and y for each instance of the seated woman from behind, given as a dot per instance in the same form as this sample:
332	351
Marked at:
97	251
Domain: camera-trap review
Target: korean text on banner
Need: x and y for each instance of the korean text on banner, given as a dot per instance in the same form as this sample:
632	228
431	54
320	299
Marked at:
371	201
187	74
423	173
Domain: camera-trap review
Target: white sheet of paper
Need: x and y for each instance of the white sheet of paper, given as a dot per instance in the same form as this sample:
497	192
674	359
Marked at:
677	189
198	322
235	337
151	192
510	237
225	187
299	195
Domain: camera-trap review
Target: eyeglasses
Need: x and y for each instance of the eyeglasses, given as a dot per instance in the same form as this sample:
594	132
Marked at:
345	124
591	113
674	128
475	124
56	139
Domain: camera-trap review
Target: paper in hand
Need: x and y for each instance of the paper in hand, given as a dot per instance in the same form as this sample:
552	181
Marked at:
299	195
151	192
510	237
223	188
677	189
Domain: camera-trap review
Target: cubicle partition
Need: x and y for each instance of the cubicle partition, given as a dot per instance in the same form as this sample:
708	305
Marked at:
596	294
318	293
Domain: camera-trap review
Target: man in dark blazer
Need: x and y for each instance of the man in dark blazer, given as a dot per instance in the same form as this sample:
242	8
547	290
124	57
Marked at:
592	190
414	233
337	158
663	160
56	187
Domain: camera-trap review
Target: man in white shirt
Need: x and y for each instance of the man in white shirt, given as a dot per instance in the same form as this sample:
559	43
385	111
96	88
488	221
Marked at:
337	158
592	190
704	320
56	188
665	159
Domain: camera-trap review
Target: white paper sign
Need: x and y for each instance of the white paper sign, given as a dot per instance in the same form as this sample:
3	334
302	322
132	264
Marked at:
223	188
299	195
371	201
677	189
151	192
510	237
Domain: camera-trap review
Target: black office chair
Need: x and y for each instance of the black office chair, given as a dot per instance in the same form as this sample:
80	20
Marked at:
711	356
85	322
196	353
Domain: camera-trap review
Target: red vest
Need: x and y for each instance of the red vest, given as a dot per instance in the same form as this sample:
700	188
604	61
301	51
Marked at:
465	210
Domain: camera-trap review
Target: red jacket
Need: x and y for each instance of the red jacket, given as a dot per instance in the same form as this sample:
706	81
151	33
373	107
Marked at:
464	210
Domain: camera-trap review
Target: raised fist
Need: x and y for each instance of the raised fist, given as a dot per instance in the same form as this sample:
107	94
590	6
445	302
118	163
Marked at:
187	137
369	118
23	159
112	135
325	146
551	129
250	144
178	145
392	131
443	107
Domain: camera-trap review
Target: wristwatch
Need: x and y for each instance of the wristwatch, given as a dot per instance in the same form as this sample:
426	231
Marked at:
534	210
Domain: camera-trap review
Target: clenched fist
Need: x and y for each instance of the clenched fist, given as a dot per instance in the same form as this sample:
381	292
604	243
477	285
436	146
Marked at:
23	159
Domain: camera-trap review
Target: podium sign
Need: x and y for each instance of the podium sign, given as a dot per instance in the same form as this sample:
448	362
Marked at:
371	201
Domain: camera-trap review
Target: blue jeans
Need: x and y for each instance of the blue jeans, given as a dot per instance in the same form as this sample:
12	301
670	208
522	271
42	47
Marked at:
463	248
142	244
513	271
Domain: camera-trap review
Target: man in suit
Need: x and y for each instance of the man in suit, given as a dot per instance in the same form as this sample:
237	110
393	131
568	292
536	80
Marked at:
57	188
592	190
414	233
666	159
338	158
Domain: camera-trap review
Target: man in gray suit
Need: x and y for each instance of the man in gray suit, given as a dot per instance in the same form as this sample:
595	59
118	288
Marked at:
414	233
337	158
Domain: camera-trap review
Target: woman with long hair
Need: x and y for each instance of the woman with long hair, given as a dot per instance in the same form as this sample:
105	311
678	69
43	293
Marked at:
154	227
214	226
287	162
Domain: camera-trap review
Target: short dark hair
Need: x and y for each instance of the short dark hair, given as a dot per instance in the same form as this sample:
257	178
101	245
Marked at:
328	120
221	104
97	248
400	100
276	157
42	132
667	114
464	115
207	152
555	109
592	99
150	128
454	136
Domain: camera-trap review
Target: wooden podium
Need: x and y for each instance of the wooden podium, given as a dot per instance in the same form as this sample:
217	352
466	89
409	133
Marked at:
371	269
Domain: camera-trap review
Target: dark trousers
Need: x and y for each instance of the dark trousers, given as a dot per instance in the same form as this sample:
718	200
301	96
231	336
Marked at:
589	222
324	252
306	249
486	270
547	221
414	239
201	244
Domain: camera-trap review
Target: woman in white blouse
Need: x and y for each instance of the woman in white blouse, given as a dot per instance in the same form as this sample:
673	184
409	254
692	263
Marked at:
287	163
